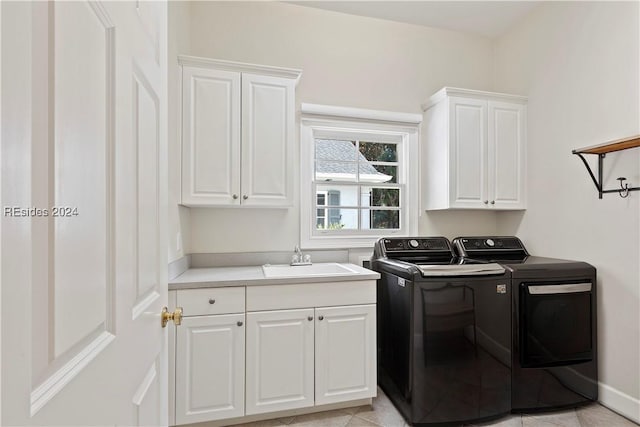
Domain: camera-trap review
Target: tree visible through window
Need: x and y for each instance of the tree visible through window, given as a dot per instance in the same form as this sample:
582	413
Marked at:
356	185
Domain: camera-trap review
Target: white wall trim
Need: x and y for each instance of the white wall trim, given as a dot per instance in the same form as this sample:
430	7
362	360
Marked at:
619	402
220	64
360	114
470	93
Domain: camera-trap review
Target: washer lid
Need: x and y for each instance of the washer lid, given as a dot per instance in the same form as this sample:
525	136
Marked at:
487	269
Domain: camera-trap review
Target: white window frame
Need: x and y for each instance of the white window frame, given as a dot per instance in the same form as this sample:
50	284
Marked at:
322	121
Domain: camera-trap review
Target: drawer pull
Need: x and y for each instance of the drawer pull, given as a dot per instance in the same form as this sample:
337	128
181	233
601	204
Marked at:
212	301
239	323
321	318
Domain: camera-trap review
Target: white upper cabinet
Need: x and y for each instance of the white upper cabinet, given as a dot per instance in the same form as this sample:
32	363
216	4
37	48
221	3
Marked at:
237	133
474	150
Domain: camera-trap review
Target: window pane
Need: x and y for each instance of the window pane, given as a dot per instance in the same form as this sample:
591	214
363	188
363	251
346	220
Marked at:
375	151
339	219
388	197
321	199
378	173
340	195
334	149
380	220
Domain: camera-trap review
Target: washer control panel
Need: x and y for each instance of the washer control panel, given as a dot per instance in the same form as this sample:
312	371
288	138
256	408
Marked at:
467	246
416	244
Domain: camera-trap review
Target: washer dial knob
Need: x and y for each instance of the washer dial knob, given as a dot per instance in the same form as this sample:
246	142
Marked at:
490	243
413	243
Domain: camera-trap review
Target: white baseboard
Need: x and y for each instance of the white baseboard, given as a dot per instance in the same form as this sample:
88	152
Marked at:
619	402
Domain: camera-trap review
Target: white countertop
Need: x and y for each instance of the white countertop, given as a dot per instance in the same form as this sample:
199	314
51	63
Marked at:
254	276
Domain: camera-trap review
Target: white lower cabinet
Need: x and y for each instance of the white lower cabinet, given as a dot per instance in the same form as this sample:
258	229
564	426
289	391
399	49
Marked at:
292	347
345	365
210	368
279	360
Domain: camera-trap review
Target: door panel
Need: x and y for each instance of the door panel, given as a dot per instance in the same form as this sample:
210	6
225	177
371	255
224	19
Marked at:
211	136
267	140
82	129
345	353
279	360
506	154
87	146
469	149
210	368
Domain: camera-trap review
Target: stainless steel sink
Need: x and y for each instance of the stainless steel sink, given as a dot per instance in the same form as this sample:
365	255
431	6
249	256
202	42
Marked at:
314	270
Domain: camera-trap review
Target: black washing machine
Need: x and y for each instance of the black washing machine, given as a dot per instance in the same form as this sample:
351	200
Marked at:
554	352
444	332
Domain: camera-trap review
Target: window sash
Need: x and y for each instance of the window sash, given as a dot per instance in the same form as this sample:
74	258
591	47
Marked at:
358	207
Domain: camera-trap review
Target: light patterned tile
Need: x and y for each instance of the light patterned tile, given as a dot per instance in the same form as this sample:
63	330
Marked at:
597	415
382	412
359	422
507	421
286	420
561	419
264	423
337	418
355	409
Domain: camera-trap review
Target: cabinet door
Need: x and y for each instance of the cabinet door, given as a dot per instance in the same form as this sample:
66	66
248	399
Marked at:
468	153
345	353
279	360
507	133
268	116
210	137
210	368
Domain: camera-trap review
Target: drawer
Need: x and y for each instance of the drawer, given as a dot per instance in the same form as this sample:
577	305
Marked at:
201	302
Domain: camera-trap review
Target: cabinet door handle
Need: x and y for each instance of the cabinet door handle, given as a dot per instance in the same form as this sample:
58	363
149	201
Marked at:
235	196
493	202
310	318
245	197
239	323
486	202
212	301
321	318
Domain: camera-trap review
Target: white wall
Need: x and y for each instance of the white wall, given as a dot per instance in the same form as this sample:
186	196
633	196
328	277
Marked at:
348	61
178	42
578	63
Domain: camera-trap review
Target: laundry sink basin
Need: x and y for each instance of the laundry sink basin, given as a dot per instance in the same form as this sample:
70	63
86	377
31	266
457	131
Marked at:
313	270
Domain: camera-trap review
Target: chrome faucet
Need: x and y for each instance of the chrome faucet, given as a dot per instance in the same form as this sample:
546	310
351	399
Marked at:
298	258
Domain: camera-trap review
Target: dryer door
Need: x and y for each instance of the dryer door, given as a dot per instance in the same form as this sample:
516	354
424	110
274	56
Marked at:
555	322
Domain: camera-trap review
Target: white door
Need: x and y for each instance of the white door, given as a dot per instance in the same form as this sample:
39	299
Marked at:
83	137
210	368
279	360
210	137
506	135
345	357
468	133
267	140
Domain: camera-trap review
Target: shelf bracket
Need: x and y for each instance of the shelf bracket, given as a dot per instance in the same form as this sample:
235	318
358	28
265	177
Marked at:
593	178
598	181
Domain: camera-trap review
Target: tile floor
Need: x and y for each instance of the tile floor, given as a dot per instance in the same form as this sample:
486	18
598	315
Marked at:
383	414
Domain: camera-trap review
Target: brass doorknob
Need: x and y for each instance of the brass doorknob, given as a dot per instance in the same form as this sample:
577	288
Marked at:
176	316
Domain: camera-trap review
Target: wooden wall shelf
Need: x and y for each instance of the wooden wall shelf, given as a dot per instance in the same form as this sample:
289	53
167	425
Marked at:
609	147
602	150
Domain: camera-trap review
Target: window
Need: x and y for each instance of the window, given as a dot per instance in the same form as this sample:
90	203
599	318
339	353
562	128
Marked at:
356	185
358	175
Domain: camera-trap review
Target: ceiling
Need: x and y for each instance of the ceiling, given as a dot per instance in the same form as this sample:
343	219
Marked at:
485	18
